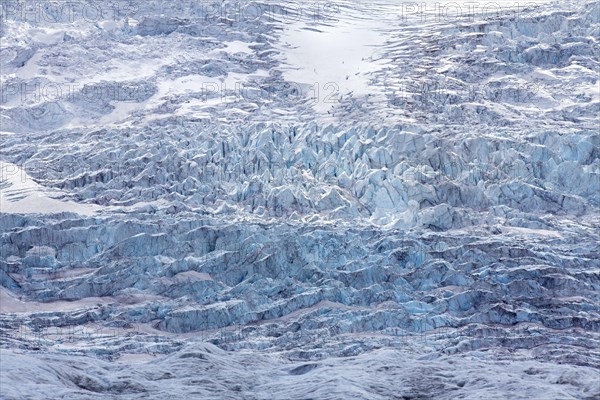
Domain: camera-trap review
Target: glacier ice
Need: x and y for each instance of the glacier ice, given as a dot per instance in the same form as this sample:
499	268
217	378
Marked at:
181	217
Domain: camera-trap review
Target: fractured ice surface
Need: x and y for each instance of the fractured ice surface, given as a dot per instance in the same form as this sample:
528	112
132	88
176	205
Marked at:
432	233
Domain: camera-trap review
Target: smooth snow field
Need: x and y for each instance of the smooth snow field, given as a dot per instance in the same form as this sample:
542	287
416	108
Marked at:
299	200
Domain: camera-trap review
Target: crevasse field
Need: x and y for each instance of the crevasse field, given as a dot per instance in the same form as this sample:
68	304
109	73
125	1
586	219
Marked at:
299	200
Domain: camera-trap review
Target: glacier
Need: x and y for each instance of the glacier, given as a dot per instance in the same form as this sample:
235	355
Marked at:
285	200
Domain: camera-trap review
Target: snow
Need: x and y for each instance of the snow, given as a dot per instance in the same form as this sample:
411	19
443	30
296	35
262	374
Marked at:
21	194
202	370
322	56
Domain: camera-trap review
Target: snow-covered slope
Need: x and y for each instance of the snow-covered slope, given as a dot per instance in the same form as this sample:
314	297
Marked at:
341	200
